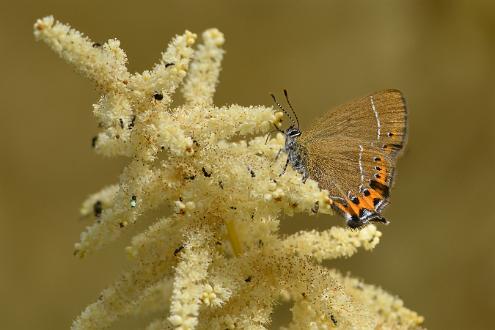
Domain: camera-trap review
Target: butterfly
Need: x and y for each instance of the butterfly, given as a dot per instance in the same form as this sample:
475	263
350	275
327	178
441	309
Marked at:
352	152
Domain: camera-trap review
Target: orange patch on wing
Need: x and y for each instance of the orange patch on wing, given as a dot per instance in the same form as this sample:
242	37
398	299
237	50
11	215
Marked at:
346	208
355	208
367	204
373	198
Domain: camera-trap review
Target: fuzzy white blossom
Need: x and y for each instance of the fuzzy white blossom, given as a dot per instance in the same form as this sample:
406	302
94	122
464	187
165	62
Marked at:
217	260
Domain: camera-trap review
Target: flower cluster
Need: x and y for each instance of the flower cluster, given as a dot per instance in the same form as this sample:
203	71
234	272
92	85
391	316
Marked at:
216	260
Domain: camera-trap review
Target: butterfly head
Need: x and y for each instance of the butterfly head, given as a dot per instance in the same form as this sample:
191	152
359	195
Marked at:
293	132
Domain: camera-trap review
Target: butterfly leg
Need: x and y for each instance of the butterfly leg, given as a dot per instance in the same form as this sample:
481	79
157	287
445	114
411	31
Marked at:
305	175
285	167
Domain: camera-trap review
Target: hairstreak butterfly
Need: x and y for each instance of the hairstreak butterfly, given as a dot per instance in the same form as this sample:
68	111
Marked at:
352	151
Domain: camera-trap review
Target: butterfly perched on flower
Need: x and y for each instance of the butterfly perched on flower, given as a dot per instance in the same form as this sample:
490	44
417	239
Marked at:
352	152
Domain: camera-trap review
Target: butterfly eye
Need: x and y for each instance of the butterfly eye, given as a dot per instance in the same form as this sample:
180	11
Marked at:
293	132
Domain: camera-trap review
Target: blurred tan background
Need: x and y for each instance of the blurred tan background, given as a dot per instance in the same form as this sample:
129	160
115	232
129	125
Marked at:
438	254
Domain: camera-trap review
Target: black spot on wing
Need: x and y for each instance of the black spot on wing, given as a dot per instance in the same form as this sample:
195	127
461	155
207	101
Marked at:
380	187
393	146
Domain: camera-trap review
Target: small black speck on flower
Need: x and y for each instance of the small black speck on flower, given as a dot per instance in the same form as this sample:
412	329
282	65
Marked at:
218	243
220	183
334	320
121	225
93	141
169	64
121	122
177	251
260	244
133	201
191	177
96	45
97	208
158	96
251	172
206	174
315	207
233	208
248	279
131	124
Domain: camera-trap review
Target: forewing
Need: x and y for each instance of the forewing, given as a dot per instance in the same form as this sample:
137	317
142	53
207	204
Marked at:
378	119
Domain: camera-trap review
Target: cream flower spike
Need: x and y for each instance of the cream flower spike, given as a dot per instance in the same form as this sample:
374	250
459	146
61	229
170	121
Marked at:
217	261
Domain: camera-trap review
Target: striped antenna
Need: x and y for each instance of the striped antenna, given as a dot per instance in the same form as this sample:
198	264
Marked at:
290	105
281	108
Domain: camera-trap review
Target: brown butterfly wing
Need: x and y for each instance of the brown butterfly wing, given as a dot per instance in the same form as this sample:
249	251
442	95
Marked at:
352	153
379	118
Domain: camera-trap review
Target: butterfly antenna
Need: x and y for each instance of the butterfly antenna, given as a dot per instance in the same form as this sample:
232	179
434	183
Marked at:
281	108
290	105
